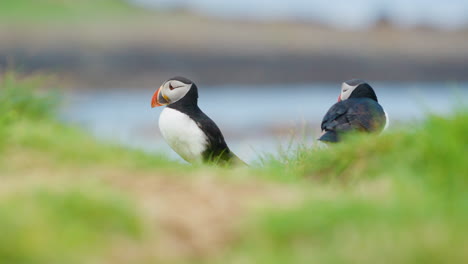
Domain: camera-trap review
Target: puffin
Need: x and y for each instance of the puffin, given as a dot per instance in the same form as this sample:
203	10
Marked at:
187	130
357	109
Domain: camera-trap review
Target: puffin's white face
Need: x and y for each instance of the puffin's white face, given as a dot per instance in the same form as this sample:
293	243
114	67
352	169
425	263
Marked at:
346	91
170	92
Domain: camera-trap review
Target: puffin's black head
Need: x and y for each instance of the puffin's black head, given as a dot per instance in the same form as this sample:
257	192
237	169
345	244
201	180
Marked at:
176	89
356	88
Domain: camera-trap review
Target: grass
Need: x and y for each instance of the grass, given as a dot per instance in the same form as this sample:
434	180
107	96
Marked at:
352	230
28	118
49	226
395	198
28	11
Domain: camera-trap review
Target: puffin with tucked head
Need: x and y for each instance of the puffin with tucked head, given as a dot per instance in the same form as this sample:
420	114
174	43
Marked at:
357	109
187	130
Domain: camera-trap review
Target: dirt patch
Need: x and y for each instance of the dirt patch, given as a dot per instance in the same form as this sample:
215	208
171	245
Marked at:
197	216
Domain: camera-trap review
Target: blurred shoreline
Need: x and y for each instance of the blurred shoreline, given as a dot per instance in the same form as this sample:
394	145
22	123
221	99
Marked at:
142	52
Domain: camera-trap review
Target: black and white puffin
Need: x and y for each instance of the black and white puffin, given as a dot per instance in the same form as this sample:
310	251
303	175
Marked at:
357	109
187	130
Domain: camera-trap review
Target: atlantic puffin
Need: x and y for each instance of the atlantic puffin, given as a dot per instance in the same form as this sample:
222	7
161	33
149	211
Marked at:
187	130
357	109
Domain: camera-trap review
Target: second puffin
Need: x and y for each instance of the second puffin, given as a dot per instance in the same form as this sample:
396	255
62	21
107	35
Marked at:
189	131
357	109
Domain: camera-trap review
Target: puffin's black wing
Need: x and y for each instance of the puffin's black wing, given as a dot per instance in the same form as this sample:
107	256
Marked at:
355	114
217	150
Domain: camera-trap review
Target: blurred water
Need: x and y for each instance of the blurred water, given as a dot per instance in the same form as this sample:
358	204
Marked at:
448	14
253	119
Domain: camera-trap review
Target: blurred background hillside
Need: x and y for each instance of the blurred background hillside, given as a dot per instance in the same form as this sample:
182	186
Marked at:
287	57
118	43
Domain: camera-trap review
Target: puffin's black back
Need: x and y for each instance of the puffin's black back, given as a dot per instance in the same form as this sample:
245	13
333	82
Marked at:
353	114
217	150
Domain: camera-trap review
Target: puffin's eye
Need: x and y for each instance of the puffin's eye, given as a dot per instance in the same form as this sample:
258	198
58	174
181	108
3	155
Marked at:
171	87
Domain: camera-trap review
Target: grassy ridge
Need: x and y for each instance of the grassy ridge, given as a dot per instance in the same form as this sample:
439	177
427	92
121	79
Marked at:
432	151
395	198
75	217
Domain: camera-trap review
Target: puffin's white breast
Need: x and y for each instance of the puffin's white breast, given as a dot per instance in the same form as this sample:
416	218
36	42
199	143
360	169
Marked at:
182	134
387	121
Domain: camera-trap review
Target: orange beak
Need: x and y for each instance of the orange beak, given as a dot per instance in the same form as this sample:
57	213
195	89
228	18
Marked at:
159	99
339	98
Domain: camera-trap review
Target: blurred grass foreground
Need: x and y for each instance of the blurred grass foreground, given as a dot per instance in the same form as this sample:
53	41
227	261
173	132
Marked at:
66	198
